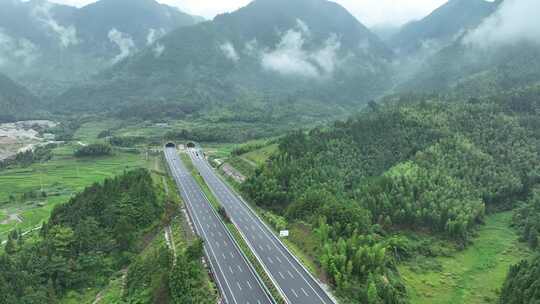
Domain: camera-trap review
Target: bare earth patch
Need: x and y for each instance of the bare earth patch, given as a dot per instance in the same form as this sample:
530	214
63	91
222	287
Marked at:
14	217
232	172
21	136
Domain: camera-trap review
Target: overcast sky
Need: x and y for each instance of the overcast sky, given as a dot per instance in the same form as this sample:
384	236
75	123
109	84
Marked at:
369	12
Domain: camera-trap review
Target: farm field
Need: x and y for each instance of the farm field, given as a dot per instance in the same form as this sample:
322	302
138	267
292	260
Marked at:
472	276
22	205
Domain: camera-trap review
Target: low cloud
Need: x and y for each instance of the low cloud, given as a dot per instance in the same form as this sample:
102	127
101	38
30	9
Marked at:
18	51
124	42
229	51
515	21
66	35
154	35
290	57
158	50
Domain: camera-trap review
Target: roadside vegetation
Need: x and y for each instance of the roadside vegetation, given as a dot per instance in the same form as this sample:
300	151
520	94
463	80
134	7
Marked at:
413	163
235	233
32	191
83	243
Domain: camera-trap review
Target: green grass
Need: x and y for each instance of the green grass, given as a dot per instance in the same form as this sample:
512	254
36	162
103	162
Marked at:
260	156
472	276
89	131
80	297
243	166
113	293
220	151
60	178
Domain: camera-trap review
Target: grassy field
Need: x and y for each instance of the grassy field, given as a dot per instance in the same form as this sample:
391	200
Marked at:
60	178
472	276
89	131
260	156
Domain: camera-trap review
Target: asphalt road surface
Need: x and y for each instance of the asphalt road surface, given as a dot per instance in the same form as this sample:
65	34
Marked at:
236	279
294	281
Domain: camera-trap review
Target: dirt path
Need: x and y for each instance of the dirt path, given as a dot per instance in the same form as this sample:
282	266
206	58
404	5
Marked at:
232	172
100	295
14	217
170	241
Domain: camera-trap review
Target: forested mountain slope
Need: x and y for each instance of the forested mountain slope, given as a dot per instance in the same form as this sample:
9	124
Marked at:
85	241
15	101
264	58
442	26
414	163
500	54
49	47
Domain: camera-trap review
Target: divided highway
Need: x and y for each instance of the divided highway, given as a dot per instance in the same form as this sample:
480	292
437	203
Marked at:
294	281
236	279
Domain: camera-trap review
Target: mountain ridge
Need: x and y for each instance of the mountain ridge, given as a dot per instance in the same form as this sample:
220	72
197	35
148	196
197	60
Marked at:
224	61
49	47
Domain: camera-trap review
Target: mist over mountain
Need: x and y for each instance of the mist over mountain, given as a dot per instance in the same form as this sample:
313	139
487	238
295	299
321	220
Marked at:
310	51
50	47
500	54
15	100
442	26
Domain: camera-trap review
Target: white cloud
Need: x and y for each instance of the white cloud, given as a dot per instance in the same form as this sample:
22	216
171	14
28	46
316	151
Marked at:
229	51
154	35
124	43
291	59
326	57
66	35
158	50
370	12
251	47
19	51
514	21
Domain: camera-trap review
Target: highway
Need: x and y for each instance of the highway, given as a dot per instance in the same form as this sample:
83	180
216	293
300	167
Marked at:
235	277
294	281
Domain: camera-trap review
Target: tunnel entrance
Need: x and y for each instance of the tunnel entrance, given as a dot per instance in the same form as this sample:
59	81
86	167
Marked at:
170	145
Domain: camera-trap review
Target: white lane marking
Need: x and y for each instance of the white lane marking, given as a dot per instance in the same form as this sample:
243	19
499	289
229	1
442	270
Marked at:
281	275
304	291
294	291
210	246
230	269
249	285
290	274
239	287
270	260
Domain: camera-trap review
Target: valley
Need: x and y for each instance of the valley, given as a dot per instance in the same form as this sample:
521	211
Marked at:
269	151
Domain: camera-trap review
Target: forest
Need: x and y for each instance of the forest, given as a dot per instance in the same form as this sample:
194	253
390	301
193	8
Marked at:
416	163
26	158
85	241
92	150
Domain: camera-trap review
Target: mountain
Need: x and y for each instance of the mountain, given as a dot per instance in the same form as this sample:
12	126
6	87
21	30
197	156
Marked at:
499	54
269	56
143	21
443	25
50	47
461	69
15	100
